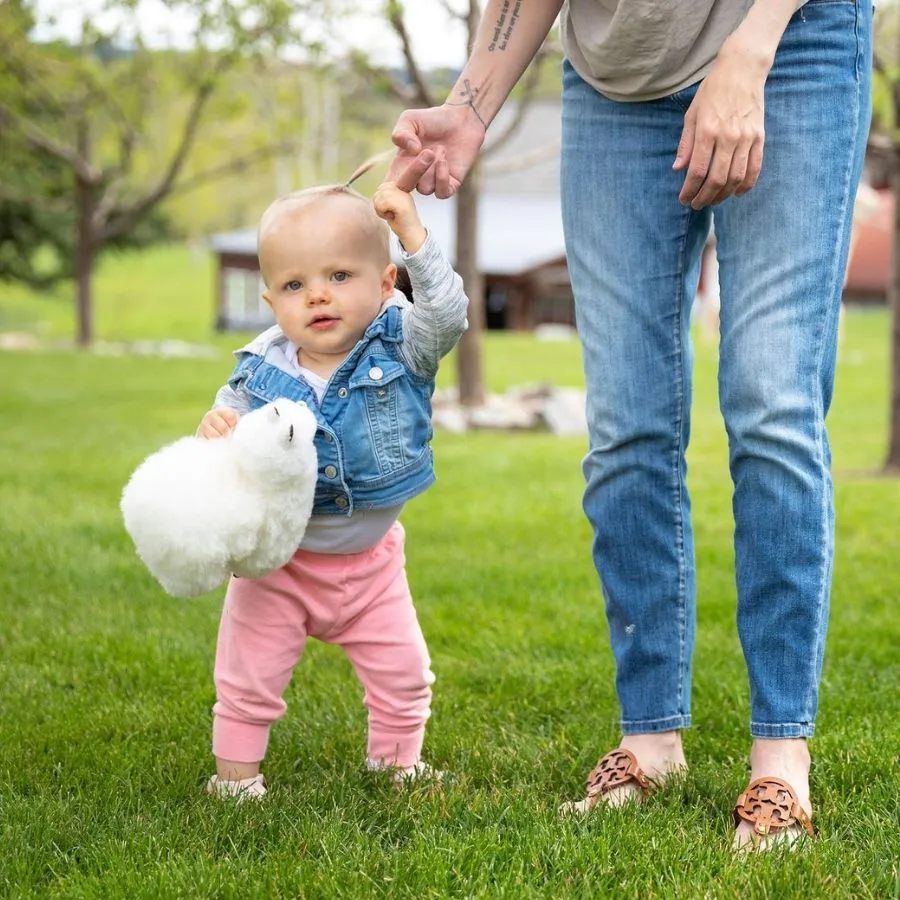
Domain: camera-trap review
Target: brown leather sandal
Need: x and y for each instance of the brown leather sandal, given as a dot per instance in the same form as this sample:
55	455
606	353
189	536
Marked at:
617	769
770	805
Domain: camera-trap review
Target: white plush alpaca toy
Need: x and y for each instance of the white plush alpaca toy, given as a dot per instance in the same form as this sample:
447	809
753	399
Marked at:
199	510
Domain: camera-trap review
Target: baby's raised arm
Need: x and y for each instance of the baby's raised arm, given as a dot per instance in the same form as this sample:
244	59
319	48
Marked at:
398	209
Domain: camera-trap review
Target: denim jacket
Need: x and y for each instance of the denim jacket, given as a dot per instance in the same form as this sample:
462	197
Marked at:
374	436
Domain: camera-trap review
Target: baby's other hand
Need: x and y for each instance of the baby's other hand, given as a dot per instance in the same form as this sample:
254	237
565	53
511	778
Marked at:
398	209
217	423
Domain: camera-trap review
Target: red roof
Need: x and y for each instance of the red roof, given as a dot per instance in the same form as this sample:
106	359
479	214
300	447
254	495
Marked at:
870	259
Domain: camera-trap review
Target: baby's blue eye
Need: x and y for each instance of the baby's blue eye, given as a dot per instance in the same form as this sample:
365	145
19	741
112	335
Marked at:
340	276
294	285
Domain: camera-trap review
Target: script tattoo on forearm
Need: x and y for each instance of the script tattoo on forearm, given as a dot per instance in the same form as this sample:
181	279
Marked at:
506	22
468	93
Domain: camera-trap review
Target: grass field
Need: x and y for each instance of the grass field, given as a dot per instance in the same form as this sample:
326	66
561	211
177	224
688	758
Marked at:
106	682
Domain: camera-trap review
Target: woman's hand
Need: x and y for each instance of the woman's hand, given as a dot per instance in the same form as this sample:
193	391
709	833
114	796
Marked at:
722	141
436	149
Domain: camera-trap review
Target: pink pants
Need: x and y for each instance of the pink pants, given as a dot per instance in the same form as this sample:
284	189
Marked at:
360	602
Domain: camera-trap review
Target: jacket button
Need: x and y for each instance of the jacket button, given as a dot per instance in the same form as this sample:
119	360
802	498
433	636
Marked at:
342	392
341	501
330	471
375	373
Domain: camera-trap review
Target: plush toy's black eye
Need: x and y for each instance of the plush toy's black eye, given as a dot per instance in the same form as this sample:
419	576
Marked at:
276	411
291	433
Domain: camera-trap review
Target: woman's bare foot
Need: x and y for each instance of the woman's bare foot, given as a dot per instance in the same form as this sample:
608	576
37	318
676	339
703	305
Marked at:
787	759
658	754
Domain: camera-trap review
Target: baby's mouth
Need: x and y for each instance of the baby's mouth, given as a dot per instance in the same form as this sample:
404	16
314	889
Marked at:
323	321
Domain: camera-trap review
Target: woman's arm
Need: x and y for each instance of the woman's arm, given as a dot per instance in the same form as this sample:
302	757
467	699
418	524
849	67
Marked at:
722	141
508	37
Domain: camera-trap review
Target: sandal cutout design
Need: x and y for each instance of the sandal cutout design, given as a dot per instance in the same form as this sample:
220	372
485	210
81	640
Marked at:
770	805
617	769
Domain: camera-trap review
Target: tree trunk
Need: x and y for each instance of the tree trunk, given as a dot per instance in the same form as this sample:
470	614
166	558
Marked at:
893	458
469	370
84	244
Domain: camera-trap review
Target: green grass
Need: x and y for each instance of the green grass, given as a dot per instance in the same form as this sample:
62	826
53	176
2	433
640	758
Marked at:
164	292
106	682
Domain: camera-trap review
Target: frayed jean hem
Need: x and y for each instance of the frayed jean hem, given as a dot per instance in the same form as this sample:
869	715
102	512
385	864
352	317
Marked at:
654	726
784	730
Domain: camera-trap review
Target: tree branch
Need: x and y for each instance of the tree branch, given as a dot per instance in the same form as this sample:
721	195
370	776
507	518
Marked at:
29	78
114	178
123	220
423	93
132	216
234	165
451	12
39	139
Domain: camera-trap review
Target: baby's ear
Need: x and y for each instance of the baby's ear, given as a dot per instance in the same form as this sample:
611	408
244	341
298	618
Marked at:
388	280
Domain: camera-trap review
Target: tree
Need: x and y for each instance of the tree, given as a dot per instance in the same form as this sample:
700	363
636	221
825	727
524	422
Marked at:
82	170
417	91
885	143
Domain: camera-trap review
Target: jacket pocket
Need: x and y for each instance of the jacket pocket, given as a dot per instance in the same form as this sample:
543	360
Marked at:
387	424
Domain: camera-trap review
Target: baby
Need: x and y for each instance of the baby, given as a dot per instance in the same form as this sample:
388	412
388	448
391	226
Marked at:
364	359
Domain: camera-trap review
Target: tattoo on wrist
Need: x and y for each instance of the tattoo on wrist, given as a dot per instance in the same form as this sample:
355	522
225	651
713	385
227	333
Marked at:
506	22
468	93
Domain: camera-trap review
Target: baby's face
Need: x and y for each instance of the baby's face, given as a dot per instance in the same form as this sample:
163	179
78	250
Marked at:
326	275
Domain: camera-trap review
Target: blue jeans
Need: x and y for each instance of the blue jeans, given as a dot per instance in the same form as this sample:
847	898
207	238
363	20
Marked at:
633	253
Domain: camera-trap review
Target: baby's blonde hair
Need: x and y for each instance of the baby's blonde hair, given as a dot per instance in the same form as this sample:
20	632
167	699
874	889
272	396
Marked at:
372	227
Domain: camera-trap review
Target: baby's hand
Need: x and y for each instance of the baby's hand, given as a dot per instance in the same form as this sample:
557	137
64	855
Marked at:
398	209
217	423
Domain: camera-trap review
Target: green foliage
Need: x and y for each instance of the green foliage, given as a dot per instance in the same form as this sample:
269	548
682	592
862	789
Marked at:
887	69
884	112
105	707
35	220
120	119
122	87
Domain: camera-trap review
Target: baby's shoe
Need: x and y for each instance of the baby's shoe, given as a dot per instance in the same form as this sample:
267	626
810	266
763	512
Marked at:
246	789
400	775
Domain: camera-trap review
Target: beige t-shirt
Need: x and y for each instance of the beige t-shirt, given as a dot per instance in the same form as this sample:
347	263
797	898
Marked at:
646	49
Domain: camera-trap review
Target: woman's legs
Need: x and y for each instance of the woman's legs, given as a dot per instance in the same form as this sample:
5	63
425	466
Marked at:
632	257
633	254
782	253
